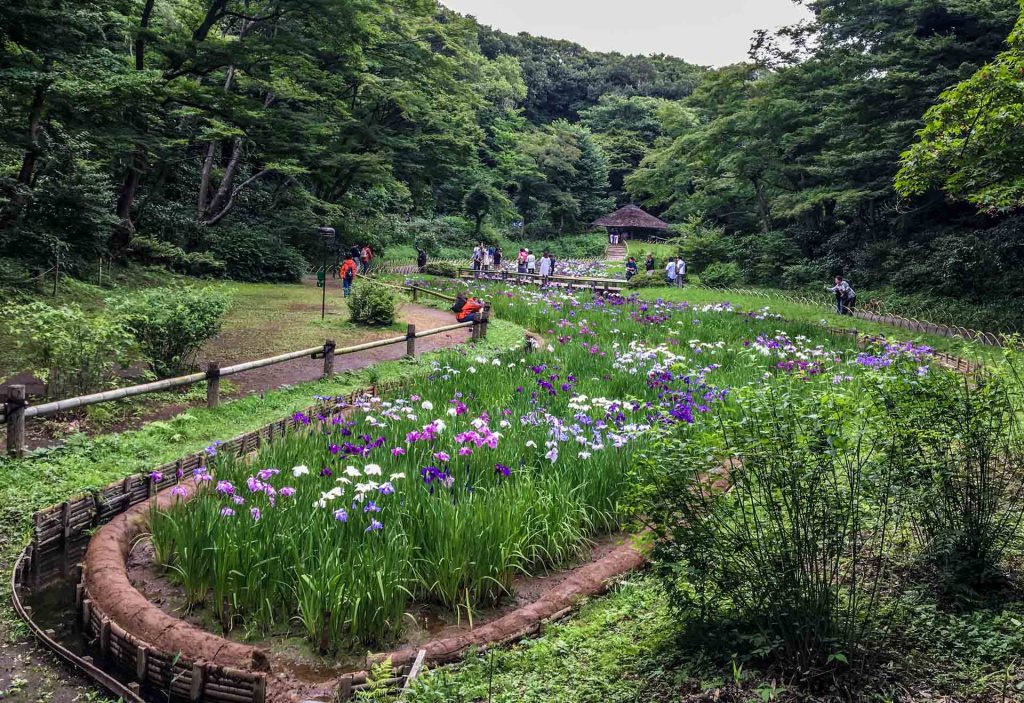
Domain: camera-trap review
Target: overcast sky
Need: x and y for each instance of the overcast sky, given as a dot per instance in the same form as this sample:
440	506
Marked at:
707	32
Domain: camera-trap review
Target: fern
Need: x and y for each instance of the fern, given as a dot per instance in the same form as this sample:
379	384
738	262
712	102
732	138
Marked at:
378	685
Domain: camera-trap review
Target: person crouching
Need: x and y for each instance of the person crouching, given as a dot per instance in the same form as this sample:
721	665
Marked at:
466	308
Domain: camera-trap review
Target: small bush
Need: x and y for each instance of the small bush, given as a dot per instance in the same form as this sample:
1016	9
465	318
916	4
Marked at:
441	268
721	275
258	256
371	304
171	324
73	352
775	532
653	279
967	446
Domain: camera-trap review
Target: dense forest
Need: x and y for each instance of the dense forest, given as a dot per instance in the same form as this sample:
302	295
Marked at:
214	136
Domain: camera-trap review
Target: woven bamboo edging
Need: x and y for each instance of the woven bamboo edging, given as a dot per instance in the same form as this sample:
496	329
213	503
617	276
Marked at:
60	537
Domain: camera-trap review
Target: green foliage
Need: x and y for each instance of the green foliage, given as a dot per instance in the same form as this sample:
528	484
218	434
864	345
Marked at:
806	142
74	352
967	446
371	304
441	268
722	275
966	148
156	251
644	279
378	687
250	254
765	525
171	324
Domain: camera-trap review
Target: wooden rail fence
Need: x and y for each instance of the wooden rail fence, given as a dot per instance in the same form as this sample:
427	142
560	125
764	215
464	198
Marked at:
17	409
582	283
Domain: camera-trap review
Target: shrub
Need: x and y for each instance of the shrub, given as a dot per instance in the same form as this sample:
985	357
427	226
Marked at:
777	532
441	268
155	251
804	276
257	256
645	279
73	352
721	275
171	324
964	436
371	304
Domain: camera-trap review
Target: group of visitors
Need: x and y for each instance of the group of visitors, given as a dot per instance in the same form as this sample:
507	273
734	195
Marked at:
486	257
357	260
675	269
527	262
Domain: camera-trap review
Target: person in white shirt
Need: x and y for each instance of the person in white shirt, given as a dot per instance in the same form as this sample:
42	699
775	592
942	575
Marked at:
670	272
531	262
545	266
680	271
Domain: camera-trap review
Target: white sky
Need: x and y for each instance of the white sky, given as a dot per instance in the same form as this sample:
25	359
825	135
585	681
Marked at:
707	32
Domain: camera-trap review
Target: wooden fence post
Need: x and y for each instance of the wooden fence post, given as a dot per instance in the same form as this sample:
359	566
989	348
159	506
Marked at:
15	411
212	384
329	347
485	320
415	294
410	342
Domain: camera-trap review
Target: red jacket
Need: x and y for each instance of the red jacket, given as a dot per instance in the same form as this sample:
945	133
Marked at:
348	266
472	305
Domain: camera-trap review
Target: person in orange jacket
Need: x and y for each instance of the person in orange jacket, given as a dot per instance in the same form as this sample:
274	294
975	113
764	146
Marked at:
467	309
347	273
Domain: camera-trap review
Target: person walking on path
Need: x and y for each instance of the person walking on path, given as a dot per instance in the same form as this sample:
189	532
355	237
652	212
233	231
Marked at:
631	268
497	258
680	271
347	273
670	272
545	268
521	261
845	296
366	255
477	259
421	259
649	263
531	262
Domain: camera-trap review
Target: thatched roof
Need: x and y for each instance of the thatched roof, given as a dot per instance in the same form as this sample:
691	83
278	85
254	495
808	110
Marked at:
631	216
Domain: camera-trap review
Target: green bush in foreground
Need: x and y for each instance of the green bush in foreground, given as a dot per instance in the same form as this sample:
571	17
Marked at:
372	304
171	324
782	527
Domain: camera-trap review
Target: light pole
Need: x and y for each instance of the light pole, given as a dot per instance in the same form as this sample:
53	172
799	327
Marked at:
327	237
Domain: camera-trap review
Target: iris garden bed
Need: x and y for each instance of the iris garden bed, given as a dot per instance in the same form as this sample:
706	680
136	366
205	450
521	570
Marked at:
498	465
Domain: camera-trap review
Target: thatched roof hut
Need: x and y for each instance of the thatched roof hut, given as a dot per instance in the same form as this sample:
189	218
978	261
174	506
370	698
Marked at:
631	222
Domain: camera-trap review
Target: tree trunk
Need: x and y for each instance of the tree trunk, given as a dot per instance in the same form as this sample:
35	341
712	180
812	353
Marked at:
140	40
763	208
130	186
129	189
